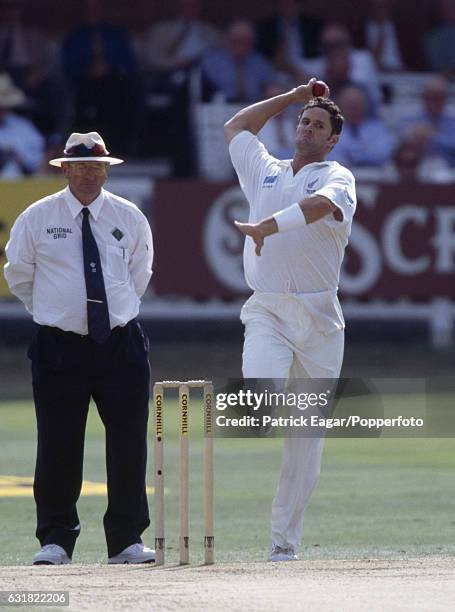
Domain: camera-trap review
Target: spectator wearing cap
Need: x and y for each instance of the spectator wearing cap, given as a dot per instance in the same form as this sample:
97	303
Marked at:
365	141
21	144
236	70
441	125
80	260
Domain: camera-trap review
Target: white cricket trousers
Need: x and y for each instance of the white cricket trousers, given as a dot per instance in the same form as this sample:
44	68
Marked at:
282	342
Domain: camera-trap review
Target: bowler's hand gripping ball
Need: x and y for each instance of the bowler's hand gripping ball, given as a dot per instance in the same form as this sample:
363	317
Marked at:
319	88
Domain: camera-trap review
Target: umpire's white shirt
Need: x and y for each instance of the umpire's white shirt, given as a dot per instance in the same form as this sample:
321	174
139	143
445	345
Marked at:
45	267
304	262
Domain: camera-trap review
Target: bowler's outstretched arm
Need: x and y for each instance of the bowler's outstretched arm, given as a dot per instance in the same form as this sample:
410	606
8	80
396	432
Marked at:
312	209
254	117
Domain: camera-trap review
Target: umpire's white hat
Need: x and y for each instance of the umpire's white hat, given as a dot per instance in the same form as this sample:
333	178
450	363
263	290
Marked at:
85	147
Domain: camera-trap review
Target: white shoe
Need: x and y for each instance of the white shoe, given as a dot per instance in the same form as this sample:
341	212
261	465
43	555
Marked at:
279	553
136	553
51	554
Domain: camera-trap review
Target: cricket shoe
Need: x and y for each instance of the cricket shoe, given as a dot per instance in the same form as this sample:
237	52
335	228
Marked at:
51	554
136	553
279	553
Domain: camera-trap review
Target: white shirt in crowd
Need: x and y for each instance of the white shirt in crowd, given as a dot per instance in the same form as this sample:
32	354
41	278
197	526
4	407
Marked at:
307	261
390	54
172	41
292	35
20	135
45	267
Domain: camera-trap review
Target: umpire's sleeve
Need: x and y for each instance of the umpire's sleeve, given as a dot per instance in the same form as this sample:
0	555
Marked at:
141	259
19	269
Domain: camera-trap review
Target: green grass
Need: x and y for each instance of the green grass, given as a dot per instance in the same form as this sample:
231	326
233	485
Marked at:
388	498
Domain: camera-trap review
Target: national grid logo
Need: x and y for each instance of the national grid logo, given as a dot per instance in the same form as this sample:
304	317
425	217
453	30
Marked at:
58	232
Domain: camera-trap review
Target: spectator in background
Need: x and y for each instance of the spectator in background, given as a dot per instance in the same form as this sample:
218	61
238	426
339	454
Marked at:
412	163
236	70
288	36
54	146
440	41
381	36
25	54
180	42
278	134
21	145
22	49
99	62
364	141
172	49
336	40
338	75
441	126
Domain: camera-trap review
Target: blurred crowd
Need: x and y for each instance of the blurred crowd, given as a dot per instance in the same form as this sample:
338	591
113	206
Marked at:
138	91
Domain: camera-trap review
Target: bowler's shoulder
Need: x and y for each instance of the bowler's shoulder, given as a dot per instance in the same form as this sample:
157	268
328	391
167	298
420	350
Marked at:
244	140
334	169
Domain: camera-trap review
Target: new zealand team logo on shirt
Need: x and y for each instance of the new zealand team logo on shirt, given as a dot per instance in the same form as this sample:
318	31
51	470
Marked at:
310	186
269	181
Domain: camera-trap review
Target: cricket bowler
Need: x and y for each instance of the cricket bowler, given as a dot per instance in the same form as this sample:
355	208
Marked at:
300	219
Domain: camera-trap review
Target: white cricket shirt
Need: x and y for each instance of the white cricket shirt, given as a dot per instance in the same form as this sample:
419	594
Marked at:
304	262
45	267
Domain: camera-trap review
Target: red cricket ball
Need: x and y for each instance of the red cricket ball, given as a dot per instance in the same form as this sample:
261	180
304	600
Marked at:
318	89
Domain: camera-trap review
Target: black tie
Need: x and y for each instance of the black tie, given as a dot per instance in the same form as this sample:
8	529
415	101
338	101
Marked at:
97	308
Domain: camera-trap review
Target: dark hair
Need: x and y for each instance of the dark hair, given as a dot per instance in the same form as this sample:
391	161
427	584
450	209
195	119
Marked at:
336	118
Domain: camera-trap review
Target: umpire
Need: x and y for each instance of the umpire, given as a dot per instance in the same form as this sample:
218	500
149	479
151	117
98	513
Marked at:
80	260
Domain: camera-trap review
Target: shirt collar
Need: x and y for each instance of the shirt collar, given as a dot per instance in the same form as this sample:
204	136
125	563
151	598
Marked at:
76	207
287	164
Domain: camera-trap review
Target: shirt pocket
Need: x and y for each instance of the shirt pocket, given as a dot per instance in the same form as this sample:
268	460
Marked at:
117	259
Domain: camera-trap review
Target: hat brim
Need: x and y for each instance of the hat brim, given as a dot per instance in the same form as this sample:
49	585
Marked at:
112	161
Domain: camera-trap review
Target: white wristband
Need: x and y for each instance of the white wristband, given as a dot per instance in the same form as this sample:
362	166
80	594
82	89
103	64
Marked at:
290	218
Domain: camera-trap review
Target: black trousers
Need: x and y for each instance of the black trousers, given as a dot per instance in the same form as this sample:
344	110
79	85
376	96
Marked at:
67	370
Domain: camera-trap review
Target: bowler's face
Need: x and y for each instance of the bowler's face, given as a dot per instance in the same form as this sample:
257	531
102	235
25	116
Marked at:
85	178
314	133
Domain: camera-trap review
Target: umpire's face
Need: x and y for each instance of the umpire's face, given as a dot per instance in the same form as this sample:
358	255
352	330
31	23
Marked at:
314	137
85	177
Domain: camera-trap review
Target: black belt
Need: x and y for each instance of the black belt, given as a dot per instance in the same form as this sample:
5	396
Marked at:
116	331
